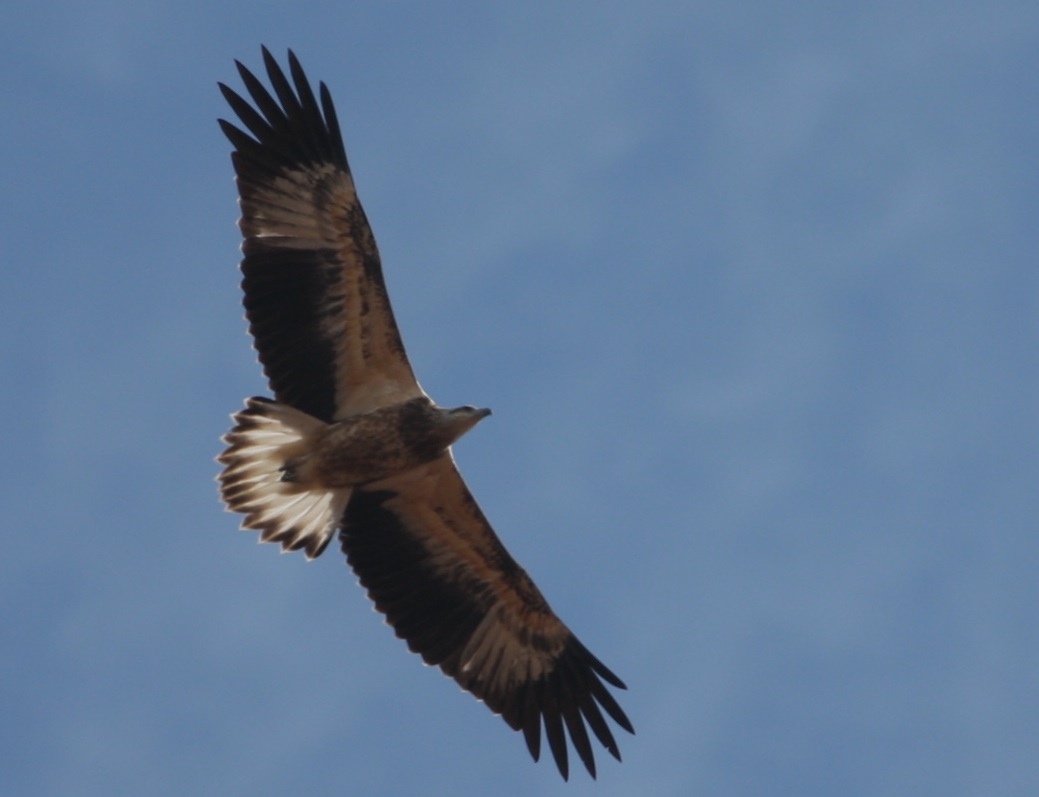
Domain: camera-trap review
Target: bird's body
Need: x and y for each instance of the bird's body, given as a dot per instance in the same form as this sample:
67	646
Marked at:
351	444
379	443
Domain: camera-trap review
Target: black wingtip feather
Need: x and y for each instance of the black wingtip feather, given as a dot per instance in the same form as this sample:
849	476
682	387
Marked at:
590	709
551	713
579	736
328	108
531	719
238	139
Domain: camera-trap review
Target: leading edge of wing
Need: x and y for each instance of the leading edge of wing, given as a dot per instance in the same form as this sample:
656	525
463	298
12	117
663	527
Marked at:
430	561
315	296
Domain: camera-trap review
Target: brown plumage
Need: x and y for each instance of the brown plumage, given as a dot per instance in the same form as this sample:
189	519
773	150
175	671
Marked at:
352	444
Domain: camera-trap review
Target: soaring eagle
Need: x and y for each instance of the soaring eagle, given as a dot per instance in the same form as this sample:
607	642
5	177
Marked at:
352	444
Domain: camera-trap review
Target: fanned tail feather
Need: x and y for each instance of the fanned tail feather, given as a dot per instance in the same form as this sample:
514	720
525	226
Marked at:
266	435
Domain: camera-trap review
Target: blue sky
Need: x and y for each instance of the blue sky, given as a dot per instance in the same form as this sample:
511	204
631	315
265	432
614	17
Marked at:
753	293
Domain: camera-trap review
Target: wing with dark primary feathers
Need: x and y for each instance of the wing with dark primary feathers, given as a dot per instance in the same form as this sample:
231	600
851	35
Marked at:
433	565
314	291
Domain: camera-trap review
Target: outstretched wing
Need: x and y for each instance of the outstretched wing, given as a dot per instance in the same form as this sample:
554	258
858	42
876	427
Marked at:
314	291
433	565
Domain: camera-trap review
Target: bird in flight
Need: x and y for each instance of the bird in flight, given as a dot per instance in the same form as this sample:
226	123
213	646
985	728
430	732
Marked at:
351	444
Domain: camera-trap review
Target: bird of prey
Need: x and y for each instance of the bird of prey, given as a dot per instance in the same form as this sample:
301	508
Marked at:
351	443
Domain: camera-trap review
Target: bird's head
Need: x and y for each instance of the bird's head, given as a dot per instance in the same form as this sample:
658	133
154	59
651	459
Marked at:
459	420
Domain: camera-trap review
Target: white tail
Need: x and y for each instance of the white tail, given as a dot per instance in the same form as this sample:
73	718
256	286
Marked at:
265	436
